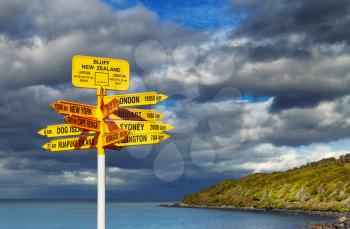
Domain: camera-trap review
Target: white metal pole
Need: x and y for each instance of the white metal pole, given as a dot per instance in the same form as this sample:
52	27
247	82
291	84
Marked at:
101	196
101	166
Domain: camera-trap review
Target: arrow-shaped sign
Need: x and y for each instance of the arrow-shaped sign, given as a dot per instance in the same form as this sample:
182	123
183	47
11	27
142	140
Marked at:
71	108
136	114
142	139
138	99
110	107
71	144
83	123
114	136
141	126
62	130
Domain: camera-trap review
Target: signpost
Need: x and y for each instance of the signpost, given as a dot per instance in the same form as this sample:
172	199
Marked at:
136	114
84	123
98	72
112	107
108	124
138	99
114	136
71	108
71	144
63	130
142	139
141	126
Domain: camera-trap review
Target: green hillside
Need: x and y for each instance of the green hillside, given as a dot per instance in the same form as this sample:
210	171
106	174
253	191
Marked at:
322	185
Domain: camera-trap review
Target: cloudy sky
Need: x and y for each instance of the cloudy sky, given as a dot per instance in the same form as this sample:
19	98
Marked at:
253	87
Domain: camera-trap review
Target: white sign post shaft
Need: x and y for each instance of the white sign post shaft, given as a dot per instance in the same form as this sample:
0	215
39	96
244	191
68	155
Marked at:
101	166
101	196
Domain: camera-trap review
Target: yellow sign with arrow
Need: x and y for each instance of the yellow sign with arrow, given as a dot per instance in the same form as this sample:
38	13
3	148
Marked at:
72	144
72	108
142	139
83	123
62	130
135	114
138	99
141	126
114	136
112	108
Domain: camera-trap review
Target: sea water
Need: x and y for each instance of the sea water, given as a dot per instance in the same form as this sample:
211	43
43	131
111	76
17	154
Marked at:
82	215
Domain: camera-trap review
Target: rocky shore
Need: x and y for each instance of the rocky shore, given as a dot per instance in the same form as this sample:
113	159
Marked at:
289	211
340	223
342	219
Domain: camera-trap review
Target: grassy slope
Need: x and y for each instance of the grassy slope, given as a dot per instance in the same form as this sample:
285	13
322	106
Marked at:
323	185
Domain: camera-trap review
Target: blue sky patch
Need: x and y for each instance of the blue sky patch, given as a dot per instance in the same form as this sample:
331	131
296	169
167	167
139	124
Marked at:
249	98
207	14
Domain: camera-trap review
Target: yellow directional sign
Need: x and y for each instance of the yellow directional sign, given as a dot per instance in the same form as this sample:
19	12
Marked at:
136	114
142	139
63	130
82	122
110	107
97	72
71	108
139	99
114	136
141	126
72	143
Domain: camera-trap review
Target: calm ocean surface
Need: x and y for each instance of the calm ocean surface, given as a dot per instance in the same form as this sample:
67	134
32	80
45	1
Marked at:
82	215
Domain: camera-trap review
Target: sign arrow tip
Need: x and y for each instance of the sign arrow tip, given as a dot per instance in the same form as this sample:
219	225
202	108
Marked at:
169	127
163	97
166	136
52	106
66	119
42	132
46	146
160	115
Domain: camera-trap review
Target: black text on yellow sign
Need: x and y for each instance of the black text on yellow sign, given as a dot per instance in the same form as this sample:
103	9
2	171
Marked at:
142	139
83	123
97	72
138	99
112	137
62	130
141	126
72	144
111	108
136	114
71	108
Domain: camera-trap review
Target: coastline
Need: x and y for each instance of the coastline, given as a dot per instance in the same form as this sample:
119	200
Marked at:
274	210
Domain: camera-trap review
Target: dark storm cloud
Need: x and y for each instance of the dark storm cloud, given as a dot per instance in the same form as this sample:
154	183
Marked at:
297	82
270	52
16	18
319	20
63	29
299	99
325	122
294	30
